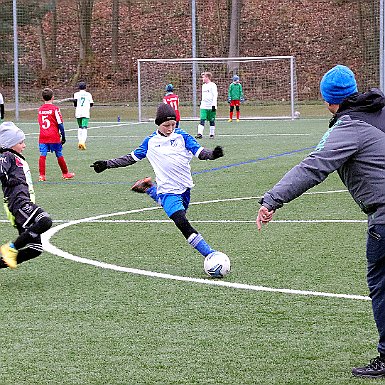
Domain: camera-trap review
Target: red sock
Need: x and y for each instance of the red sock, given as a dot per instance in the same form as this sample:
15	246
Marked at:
62	165
238	114
231	114
42	160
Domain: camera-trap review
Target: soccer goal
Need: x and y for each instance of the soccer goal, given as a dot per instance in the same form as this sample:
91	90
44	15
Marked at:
269	85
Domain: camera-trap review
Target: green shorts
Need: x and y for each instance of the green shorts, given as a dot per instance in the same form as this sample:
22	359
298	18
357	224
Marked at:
208	115
83	122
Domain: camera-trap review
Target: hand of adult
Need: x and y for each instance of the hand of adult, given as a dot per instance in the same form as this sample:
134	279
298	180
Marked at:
264	216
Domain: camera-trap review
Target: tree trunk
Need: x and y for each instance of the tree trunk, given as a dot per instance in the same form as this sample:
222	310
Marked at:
85	21
130	67
54	34
234	33
220	21
43	46
115	34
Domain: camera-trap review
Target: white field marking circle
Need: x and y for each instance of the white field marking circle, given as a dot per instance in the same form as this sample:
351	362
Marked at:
56	251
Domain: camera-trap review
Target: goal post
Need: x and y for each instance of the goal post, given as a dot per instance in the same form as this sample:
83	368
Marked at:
269	85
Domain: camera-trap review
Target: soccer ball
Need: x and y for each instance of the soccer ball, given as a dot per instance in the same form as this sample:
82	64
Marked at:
217	264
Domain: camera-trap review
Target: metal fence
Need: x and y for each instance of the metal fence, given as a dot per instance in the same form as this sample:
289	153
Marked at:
50	34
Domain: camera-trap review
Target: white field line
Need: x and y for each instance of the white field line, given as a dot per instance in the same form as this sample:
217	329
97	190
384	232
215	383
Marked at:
96	127
122	124
230	221
224	221
61	253
141	136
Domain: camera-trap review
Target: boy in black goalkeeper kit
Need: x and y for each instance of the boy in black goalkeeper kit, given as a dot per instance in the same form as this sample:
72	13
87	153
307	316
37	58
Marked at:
235	97
19	200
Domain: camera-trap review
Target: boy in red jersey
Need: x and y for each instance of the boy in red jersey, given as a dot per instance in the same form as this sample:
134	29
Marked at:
173	100
52	135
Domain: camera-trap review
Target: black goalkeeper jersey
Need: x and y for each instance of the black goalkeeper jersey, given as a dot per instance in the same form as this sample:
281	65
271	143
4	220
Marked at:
16	180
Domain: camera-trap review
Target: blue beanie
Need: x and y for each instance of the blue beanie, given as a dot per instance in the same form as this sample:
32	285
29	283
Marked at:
235	78
169	88
337	84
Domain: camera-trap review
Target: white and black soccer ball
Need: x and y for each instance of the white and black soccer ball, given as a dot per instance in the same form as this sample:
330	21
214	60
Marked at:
217	264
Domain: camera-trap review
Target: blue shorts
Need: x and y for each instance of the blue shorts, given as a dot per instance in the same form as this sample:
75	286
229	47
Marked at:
57	148
172	203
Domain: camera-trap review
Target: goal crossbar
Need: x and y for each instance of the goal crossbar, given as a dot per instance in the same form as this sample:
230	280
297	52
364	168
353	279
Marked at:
269	84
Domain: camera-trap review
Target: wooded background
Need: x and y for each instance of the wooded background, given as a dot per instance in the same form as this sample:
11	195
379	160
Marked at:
62	41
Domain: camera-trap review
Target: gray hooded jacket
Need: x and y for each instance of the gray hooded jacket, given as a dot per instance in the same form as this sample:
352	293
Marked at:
354	146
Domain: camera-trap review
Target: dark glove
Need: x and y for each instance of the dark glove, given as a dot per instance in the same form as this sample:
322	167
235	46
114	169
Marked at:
63	140
217	152
99	166
242	99
213	109
229	100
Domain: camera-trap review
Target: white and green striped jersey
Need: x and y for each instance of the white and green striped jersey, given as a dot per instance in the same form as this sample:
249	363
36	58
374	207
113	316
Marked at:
209	96
83	104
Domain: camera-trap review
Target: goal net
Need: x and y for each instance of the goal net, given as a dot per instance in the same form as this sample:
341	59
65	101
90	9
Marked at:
269	85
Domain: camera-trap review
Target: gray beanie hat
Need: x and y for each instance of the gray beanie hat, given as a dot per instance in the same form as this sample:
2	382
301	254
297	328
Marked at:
10	135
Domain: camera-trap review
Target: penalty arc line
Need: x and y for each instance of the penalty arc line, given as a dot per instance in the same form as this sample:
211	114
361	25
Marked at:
47	246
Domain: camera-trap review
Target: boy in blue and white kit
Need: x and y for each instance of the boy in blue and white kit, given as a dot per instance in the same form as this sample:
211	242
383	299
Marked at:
169	151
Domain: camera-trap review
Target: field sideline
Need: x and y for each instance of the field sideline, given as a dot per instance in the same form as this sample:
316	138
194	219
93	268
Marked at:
138	308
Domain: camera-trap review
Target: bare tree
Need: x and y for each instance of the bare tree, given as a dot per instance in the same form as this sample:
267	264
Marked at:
221	34
234	33
43	45
54	33
37	16
129	35
115	33
85	8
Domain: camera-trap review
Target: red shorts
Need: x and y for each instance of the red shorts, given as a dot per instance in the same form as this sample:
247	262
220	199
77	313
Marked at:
235	103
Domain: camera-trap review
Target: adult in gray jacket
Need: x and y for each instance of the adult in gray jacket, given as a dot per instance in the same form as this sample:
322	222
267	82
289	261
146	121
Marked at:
354	146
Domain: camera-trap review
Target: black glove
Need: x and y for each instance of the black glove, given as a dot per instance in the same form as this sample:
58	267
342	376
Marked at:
213	109
217	152
63	140
99	166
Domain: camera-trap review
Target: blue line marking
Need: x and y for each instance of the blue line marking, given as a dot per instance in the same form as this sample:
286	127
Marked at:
254	160
196	172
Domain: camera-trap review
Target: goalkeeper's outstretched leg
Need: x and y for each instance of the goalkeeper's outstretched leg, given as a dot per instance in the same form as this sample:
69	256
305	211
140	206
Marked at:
28	244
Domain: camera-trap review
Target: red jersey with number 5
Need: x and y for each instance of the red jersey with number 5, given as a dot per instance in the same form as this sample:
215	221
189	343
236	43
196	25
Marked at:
173	101
49	117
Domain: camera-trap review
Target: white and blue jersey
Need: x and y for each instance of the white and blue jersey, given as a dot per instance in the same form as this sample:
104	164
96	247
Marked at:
170	157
